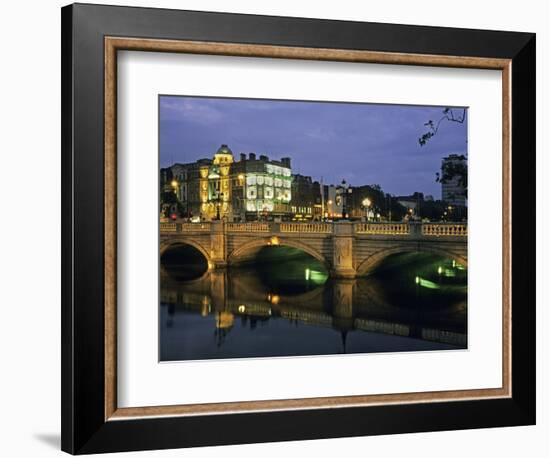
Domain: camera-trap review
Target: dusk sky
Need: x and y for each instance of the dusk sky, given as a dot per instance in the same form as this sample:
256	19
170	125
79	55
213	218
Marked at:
361	143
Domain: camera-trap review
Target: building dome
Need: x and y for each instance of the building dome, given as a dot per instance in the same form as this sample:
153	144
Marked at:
224	149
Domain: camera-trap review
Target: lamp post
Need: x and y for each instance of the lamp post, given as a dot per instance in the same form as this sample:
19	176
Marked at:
241	178
174	184
218	204
346	189
366	205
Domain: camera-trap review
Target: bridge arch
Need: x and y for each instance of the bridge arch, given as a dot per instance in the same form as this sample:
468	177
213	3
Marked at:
258	243
174	242
369	264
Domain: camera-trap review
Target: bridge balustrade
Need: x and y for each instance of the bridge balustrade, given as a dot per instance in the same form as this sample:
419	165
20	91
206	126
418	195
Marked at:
309	228
168	227
192	227
382	228
184	227
397	229
247	227
444	230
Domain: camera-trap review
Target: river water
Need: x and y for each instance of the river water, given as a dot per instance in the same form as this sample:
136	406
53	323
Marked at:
286	305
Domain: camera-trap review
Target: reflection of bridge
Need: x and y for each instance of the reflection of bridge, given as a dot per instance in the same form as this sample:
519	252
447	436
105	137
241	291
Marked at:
347	249
352	306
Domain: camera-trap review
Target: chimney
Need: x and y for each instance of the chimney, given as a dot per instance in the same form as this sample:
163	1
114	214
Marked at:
252	156
243	157
286	161
263	157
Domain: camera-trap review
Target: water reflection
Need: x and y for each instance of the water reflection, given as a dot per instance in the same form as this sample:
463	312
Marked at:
293	308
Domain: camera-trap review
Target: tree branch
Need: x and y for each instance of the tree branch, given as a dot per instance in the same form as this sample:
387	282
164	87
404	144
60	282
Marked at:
449	115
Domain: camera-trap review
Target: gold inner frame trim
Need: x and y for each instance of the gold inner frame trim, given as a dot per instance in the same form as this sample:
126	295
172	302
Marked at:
114	44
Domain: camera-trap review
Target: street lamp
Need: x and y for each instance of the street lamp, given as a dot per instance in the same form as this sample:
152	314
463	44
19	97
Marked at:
366	205
346	189
218	204
241	178
174	184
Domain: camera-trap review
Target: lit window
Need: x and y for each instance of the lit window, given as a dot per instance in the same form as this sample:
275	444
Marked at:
278	182
260	179
251	192
268	192
251	180
269	181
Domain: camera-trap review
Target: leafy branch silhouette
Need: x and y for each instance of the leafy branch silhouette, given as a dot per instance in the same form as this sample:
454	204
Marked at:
433	127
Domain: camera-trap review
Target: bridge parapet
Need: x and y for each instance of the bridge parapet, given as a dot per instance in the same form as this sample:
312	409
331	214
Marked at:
184	227
412	230
168	227
308	228
445	229
248	227
382	228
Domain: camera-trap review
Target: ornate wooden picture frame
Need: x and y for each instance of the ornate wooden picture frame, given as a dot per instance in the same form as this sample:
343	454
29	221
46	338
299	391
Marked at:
92	421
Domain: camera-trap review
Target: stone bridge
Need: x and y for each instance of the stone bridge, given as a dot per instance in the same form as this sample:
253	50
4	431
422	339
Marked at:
347	249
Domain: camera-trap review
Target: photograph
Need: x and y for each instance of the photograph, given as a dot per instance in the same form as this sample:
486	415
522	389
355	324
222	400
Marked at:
307	227
282	226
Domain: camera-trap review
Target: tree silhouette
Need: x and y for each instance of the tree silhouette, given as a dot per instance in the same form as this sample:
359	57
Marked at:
449	170
433	127
458	171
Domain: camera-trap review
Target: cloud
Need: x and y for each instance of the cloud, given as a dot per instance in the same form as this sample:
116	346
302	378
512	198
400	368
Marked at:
189	110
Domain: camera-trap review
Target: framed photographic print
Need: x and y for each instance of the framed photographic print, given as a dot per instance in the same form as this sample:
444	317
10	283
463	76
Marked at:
281	228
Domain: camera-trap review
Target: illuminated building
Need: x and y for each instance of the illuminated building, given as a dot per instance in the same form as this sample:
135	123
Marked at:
268	183
215	188
304	197
249	189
